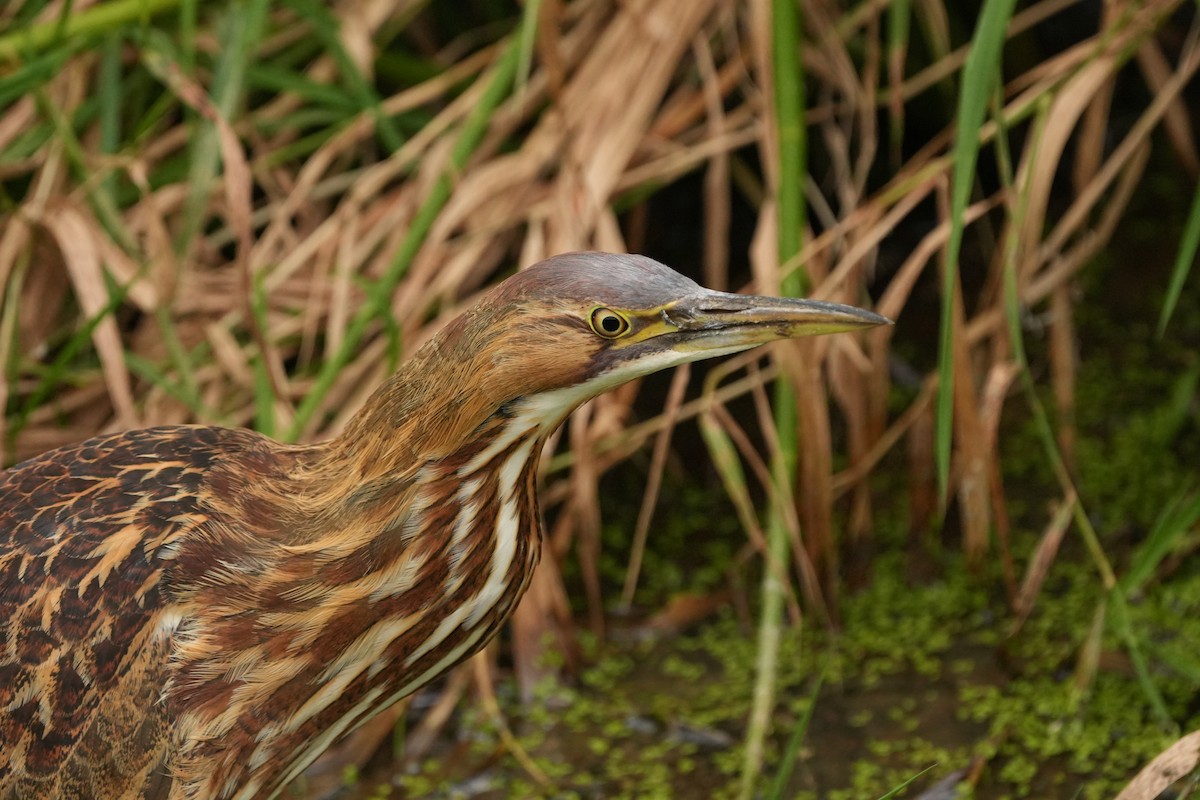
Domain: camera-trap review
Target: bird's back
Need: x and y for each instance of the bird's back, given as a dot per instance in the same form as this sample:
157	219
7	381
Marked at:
87	534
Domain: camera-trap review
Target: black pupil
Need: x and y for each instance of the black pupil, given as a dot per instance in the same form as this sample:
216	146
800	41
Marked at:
610	324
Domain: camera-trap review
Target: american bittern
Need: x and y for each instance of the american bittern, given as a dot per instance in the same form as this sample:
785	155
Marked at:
198	612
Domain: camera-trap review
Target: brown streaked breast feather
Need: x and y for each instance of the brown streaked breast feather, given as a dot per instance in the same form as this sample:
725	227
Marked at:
196	613
84	612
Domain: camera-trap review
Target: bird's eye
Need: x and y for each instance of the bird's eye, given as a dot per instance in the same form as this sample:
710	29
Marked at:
609	323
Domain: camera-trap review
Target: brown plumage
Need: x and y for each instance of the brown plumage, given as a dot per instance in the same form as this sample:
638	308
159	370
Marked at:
197	612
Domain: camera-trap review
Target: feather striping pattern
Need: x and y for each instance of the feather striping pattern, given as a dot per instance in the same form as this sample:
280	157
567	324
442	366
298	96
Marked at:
196	613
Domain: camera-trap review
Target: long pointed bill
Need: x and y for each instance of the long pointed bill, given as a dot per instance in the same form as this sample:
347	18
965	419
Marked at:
701	325
711	322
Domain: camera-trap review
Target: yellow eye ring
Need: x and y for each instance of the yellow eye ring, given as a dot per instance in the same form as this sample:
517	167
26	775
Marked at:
608	323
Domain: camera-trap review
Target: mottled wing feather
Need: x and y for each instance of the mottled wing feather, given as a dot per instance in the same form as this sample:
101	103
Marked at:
84	619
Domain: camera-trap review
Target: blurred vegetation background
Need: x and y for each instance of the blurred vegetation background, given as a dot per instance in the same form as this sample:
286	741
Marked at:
954	552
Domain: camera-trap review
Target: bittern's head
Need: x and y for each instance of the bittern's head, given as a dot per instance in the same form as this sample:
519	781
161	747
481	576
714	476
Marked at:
576	325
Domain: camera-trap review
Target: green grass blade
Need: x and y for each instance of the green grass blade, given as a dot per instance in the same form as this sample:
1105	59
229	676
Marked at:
980	73
895	792
325	27
285	80
1119	617
94	21
787	70
65	362
151	373
101	201
110	94
10	344
899	21
32	75
1178	411
189	391
1182	660
528	36
1177	519
792	752
1184	261
186	36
